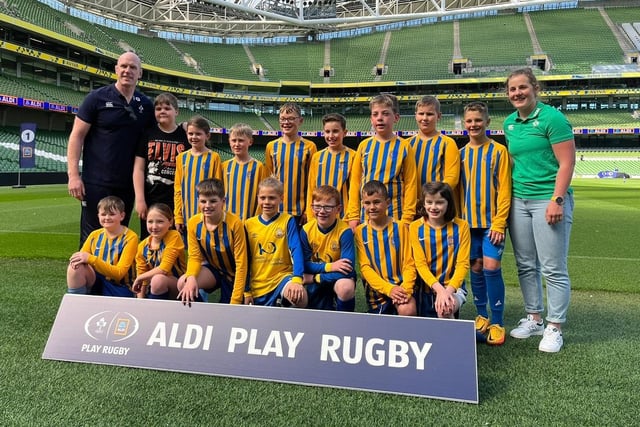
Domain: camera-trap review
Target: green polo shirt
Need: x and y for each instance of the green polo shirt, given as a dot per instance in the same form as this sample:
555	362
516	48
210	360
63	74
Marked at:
529	141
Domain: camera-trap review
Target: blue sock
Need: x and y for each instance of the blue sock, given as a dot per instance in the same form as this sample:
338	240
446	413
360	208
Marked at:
78	291
348	305
159	296
479	290
495	290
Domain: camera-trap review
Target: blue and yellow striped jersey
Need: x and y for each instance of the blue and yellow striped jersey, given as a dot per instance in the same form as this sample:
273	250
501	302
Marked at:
169	256
437	160
114	257
384	257
275	252
190	170
392	163
485	185
289	162
441	254
334	169
241	186
224	249
322	247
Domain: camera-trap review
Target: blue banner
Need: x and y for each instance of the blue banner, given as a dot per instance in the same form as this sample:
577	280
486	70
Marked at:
27	145
392	354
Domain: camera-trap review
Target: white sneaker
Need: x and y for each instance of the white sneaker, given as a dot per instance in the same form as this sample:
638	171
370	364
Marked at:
551	340
527	327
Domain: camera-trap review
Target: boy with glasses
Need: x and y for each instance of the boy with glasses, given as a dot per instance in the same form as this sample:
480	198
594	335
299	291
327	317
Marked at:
329	254
288	159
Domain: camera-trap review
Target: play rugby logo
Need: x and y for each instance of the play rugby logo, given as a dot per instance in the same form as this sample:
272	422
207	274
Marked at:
111	326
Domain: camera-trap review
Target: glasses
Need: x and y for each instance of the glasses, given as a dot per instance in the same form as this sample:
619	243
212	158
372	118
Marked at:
288	119
321	208
132	113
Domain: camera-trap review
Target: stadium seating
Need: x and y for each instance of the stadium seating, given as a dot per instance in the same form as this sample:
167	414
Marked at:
589	42
354	59
294	61
421	53
480	41
225	61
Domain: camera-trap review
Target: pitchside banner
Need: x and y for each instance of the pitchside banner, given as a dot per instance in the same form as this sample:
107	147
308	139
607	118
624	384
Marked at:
27	145
393	354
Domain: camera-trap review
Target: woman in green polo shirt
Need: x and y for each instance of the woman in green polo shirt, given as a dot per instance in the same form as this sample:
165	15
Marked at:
542	149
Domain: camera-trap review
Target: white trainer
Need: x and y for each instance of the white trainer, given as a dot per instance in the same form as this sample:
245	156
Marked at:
551	340
527	327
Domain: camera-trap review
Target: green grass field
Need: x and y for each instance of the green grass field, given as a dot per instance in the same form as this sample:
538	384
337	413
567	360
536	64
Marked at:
592	381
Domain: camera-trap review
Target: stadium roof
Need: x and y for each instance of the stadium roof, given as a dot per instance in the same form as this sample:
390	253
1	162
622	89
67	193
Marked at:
270	18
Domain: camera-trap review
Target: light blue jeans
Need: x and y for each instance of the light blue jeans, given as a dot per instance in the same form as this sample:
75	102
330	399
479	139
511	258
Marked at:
541	251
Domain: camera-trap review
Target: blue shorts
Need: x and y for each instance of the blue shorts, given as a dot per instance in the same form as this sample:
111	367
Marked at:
426	300
482	246
321	296
378	303
222	283
274	298
110	289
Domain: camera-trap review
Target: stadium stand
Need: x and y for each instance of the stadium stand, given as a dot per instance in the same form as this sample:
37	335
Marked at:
226	61
589	31
294	61
354	59
409	60
632	33
480	38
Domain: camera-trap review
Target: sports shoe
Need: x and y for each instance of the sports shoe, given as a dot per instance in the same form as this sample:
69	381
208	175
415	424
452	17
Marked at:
482	323
551	340
527	327
495	335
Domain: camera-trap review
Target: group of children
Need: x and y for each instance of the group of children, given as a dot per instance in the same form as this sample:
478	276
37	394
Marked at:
419	213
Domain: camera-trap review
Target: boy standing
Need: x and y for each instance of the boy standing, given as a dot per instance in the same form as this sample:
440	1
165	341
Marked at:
275	252
332	165
242	174
485	200
384	256
217	249
437	156
154	168
288	158
329	255
105	263
386	158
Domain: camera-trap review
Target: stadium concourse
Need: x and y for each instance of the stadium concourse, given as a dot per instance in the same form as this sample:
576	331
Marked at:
54	53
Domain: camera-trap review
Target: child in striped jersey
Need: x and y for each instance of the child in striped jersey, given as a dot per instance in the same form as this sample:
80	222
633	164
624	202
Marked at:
242	174
287	158
387	158
384	256
275	252
160	259
104	264
192	166
440	249
217	249
332	165
437	155
329	254
485	201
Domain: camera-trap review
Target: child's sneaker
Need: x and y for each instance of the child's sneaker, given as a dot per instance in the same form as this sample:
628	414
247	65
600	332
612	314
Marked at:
496	335
551	340
482	324
527	327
